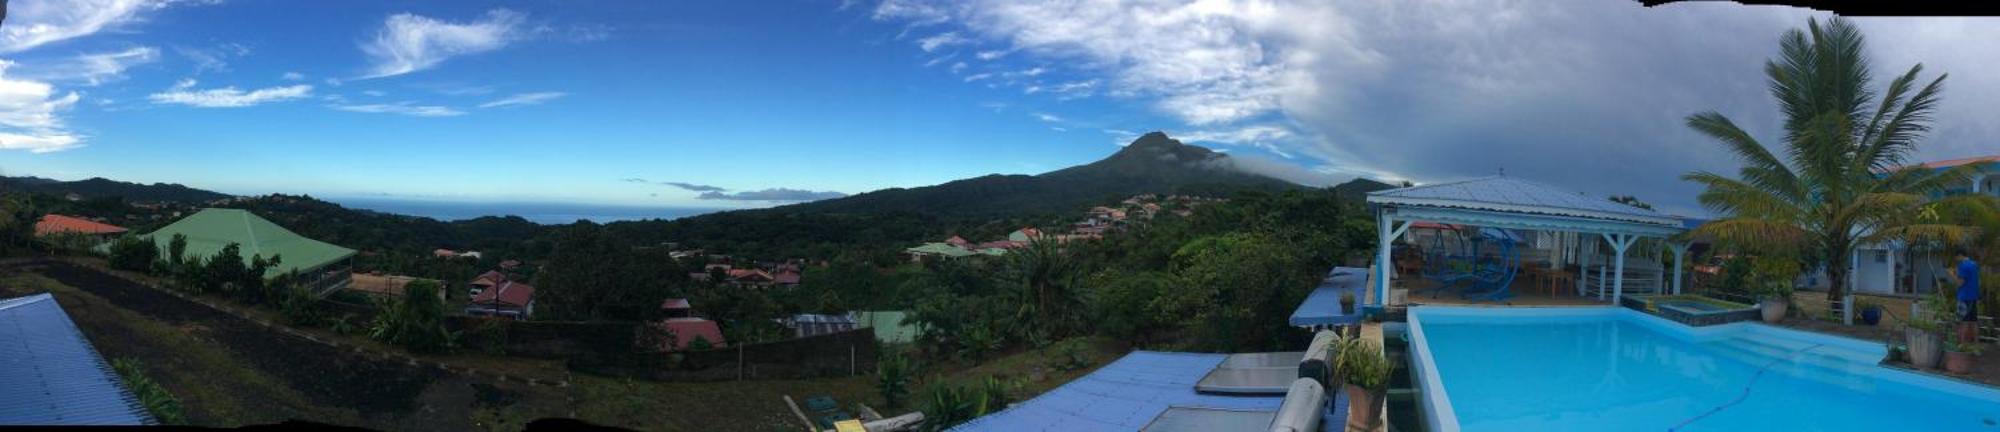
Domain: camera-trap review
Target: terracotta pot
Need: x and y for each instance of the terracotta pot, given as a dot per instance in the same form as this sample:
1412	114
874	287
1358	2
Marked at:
1364	408
1774	310
1957	363
1924	348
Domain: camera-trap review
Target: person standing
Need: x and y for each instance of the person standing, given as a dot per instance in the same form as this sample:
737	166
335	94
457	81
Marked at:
1967	278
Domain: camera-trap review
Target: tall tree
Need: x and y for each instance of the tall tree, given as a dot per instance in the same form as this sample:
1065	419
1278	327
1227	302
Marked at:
1842	179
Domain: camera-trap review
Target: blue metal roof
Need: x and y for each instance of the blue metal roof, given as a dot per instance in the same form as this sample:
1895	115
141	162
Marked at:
1322	306
50	375
1122	396
1509	194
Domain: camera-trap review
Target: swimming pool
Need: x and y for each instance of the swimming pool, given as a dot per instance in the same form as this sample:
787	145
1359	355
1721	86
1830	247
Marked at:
1606	368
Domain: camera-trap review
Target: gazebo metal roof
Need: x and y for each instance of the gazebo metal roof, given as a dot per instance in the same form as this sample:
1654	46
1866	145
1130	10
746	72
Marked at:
1508	202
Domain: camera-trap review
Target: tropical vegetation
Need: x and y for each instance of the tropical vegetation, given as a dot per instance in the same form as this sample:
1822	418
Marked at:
1839	177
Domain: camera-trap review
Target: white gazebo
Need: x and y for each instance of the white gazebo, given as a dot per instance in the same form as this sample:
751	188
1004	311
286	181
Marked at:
1512	203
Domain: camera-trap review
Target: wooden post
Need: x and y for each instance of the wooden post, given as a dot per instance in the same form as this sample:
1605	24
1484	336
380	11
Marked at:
810	427
739	363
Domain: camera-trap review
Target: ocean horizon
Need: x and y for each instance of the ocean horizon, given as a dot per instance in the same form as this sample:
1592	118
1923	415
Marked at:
546	213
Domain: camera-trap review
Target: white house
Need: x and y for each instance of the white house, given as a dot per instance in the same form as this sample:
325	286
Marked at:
1898	268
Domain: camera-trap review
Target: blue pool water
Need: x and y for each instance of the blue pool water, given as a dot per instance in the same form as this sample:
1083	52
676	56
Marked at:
1618	370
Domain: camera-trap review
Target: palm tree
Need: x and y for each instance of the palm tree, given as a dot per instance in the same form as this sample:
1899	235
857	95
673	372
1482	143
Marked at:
1843	180
1045	276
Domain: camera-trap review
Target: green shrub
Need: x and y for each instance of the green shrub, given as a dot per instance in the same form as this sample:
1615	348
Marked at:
945	406
1772	277
1362	365
131	253
892	379
1070	355
157	401
415	321
700	343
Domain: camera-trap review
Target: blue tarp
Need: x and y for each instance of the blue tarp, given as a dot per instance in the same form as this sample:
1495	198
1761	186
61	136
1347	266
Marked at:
1322	306
1122	396
50	375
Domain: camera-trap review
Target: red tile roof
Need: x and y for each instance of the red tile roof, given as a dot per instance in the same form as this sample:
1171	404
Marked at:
489	278
55	223
676	303
1955	162
750	275
684	330
787	278
1961	161
956	240
514	294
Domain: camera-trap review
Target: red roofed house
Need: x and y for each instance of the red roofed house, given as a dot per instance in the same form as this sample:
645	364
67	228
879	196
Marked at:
753	277
786	278
683	328
58	224
957	241
682	332
677	308
508	299
75	231
486	280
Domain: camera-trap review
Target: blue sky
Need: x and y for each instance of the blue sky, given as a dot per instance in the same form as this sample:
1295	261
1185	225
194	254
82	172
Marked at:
748	104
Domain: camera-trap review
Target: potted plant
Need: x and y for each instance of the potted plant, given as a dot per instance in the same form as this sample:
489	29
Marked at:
1346	302
1774	276
1366	373
1925	329
1958	356
1871	311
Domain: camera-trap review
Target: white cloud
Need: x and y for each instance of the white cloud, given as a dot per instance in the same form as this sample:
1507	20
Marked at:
403	108
977	76
993	54
1046	117
409	43
1194	55
940	60
90	69
35	23
524	99
28	119
1267	137
294	76
215	58
958	67
375	93
183	93
940	40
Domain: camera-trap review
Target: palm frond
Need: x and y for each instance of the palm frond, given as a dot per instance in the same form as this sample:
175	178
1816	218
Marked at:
1753	234
1942	233
1738	199
1760	167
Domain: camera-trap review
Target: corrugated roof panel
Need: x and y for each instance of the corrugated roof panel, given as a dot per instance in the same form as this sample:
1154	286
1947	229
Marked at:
50	375
1122	396
1493	193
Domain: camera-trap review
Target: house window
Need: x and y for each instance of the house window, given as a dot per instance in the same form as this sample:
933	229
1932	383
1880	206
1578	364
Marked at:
1881	256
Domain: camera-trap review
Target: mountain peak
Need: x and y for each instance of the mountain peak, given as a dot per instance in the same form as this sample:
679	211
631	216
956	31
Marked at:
1157	146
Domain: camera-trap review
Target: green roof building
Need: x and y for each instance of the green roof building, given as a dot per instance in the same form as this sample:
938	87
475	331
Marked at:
888	325
322	267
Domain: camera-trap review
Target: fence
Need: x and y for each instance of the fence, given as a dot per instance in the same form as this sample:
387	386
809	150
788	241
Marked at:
546	339
837	354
